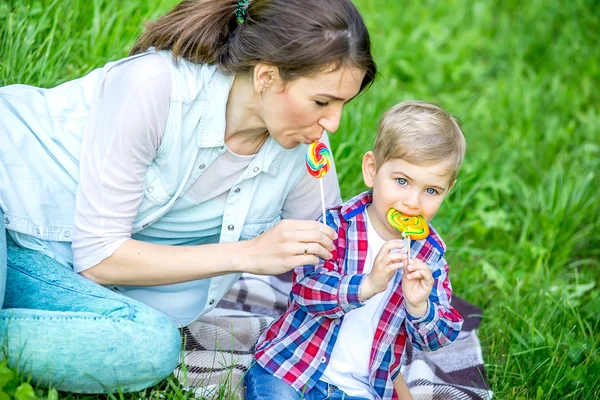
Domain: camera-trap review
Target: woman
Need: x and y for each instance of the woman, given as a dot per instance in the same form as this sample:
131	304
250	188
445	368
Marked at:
152	183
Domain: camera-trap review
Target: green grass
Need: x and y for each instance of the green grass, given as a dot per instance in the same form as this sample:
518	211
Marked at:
522	225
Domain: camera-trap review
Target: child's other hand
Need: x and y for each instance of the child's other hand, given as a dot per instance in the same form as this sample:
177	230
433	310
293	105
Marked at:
417	284
384	267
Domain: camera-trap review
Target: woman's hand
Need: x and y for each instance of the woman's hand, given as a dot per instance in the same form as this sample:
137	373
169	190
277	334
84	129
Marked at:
288	244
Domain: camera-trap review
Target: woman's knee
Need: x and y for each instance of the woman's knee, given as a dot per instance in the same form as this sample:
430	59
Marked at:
156	345
150	351
89	353
167	338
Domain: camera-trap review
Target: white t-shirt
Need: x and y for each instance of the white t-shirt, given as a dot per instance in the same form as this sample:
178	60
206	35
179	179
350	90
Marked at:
348	367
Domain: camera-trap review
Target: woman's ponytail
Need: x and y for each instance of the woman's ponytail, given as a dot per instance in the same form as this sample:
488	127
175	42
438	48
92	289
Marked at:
196	30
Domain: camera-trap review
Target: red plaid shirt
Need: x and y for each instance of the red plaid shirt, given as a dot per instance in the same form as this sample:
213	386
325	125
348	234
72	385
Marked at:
296	347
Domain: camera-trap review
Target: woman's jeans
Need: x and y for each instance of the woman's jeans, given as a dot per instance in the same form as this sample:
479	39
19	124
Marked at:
65	331
261	385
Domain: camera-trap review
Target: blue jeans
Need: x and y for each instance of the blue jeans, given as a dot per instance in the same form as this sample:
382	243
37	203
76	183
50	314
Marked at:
70	333
261	385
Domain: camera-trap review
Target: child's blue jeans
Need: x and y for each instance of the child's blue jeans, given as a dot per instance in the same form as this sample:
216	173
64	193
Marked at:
70	333
261	385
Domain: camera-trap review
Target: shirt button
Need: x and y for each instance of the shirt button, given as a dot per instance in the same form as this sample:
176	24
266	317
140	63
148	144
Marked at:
237	190
201	166
210	303
6	221
150	189
221	147
231	227
255	169
323	360
67	234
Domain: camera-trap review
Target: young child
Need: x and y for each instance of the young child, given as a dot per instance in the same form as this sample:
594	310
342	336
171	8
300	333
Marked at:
348	318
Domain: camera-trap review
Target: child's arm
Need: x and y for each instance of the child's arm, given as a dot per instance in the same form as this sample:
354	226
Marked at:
401	388
326	289
431	321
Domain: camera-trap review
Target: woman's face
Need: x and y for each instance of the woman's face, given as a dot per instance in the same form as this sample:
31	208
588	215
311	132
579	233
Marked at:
298	111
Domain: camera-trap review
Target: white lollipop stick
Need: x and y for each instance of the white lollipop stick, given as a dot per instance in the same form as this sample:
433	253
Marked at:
322	199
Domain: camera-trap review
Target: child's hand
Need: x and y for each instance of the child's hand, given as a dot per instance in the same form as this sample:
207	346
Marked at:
384	268
417	283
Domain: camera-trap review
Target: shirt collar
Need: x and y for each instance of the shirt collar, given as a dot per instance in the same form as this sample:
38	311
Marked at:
270	156
356	205
211	128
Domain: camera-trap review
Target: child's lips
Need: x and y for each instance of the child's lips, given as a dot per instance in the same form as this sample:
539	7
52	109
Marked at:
407	214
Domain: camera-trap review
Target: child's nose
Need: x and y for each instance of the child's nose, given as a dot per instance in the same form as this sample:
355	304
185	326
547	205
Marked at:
412	201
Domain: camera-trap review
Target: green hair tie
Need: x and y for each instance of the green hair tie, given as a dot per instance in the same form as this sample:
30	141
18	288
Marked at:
240	11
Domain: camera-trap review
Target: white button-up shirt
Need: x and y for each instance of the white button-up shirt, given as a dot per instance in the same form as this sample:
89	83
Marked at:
80	173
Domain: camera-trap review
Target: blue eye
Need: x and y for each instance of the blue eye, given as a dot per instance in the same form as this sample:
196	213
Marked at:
431	191
402	181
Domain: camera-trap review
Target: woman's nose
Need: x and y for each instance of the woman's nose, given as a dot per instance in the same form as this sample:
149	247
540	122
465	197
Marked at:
331	121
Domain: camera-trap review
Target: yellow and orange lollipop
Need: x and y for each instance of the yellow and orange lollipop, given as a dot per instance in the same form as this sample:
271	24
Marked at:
318	162
411	227
414	227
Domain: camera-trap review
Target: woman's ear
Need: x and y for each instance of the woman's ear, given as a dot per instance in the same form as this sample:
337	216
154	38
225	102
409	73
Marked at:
369	169
266	76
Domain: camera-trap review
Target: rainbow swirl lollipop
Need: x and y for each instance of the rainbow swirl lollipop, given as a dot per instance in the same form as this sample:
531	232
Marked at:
318	159
413	227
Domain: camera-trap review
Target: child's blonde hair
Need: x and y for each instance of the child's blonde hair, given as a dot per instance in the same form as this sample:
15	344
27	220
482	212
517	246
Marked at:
420	133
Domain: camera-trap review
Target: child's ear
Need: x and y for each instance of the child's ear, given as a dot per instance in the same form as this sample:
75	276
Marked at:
369	169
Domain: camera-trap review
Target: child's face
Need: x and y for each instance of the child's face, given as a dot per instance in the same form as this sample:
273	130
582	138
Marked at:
410	189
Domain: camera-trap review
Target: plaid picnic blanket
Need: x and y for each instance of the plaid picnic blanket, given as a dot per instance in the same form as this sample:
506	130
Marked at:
219	347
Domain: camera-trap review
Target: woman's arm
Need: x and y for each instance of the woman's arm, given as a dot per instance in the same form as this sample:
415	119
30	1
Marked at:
125	127
137	263
276	251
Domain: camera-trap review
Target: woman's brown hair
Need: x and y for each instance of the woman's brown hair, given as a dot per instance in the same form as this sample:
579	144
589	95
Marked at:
300	37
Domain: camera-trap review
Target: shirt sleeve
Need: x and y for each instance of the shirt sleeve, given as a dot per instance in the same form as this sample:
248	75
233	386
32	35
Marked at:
441	323
324	289
127	121
304	201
